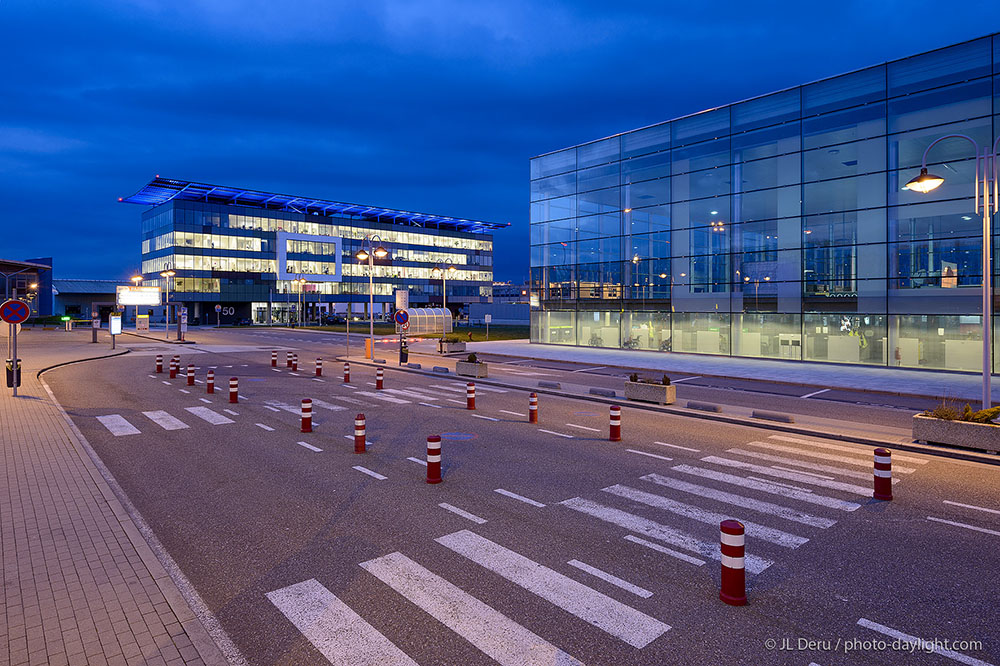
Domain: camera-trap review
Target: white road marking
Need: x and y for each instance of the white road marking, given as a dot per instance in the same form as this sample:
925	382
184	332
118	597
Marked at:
809	395
520	498
829	469
206	414
611	578
573	425
617	619
165	382
410	394
652	529
184	391
740	501
428	404
322	404
489	389
651	455
487	418
205	400
675	446
684	379
970	506
151	376
772	487
558	434
663	549
275	370
496	635
264	427
336	631
351	401
165	421
789	469
317	379
465	514
418	461
309	446
365	470
778	483
273	409
841	447
449	387
198	381
457	402
790	476
384	398
755	530
968	527
860	462
117	425
507	411
899	635
229	411
600	367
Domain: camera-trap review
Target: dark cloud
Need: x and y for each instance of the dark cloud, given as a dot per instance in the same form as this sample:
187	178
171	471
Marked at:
433	106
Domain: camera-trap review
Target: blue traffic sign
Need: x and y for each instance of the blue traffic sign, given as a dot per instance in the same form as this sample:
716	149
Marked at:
14	312
401	317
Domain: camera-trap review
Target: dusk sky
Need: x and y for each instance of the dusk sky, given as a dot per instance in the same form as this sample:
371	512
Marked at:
432	106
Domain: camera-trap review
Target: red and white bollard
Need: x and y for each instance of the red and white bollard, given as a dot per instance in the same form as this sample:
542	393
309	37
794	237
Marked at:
190	374
470	395
359	434
274	359
734	584
319	367
347	373
234	390
379	376
159	363
883	474
615	434
533	408
307	415
210	382
434	459
288	359
173	368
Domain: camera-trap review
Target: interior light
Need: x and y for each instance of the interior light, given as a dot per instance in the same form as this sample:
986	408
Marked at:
627	210
925	182
767	278
966	218
713	212
663	275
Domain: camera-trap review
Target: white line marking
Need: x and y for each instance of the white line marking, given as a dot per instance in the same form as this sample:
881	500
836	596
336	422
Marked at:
651	455
198	381
684	379
465	514
384	398
789	469
611	578
507	411
970	506
351	401
778	483
264	427
755	530
790	476
165	421
275	370
416	395
859	462
309	446
428	404
165	382
772	487
489	389
558	434
600	367
487	418
968	527
809	395
624	622
151	376
663	549
273	409
322	404
899	635
740	501
206	414
449	387
457	402
418	461
317	379
184	391
675	446
573	425
496	635
841	447
520	498
365	470
205	400
336	631
229	411
652	529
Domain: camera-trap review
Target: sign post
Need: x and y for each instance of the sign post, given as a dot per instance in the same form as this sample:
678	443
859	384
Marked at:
218	316
95	325
115	328
488	318
402	319
182	324
14	312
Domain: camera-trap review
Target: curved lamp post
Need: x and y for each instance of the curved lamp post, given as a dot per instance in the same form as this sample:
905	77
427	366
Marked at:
369	255
987	202
443	272
167	274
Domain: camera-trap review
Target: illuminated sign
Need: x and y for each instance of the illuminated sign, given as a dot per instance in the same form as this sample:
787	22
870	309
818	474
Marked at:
115	324
132	295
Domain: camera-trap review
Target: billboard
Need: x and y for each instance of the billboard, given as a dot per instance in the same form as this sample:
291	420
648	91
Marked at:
132	295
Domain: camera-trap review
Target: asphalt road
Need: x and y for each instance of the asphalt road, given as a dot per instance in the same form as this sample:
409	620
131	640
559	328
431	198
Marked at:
300	555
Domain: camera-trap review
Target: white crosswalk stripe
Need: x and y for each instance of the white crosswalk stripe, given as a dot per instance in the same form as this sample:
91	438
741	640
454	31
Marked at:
410	394
496	635
384	398
774	488
117	425
352	401
791	476
322	404
866	462
617	619
842	447
208	415
816	467
165	421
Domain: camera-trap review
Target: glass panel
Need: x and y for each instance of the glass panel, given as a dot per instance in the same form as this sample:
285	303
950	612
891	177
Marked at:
700	156
553	209
553	186
701	333
906	150
937	68
600	281
860	123
640	220
762	174
767	335
599	152
648	140
599	329
770	110
845	159
701	212
594	226
597	177
701	184
844	194
701	126
845	338
646	168
941	106
648	193
646	330
599	201
844	91
553	163
767	204
554	327
767	142
936	341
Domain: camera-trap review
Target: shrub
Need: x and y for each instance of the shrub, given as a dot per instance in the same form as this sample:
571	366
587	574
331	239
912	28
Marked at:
634	377
473	358
665	381
949	412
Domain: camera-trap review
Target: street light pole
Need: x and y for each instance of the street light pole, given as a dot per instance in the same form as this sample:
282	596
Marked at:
987	174
167	274
444	285
369	256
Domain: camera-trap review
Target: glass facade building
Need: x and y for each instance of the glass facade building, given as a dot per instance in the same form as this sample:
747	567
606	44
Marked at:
245	249
779	227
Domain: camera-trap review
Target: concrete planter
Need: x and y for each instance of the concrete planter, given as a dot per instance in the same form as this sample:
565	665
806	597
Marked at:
658	393
981	436
446	347
466	369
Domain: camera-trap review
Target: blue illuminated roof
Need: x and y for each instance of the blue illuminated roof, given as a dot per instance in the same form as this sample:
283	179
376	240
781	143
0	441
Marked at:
161	190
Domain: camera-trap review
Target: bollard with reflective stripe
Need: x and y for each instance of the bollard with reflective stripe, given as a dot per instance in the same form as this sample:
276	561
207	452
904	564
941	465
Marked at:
295	362
210	382
319	367
470	395
378	379
615	434
274	359
734	586
883	474
434	459
159	363
347	373
173	368
533	408
288	359
234	390
307	415
190	374
359	434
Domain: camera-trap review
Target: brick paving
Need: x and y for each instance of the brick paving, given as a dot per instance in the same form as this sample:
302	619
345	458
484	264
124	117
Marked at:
80	584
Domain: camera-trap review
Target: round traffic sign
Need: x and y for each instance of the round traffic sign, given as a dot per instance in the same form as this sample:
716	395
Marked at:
218	308
405	326
401	317
14	312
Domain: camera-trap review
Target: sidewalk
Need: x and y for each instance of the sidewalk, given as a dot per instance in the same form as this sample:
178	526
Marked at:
80	583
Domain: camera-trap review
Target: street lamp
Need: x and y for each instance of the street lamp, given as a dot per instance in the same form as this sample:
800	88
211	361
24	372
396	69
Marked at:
756	286
438	270
301	282
987	173
167	274
136	280
369	255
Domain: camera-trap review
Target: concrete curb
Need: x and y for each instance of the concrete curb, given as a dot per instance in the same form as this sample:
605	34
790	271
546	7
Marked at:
38	375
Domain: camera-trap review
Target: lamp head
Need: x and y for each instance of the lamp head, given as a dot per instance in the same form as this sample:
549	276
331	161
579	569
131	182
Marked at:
451	269
137	279
381	252
925	182
362	255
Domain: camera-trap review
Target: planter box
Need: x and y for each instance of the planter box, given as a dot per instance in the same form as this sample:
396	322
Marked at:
664	395
450	347
979	436
466	369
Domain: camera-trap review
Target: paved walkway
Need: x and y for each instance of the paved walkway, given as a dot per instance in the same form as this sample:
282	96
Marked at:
925	383
80	583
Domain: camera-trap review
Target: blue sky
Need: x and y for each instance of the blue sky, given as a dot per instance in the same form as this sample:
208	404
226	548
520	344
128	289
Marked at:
432	106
